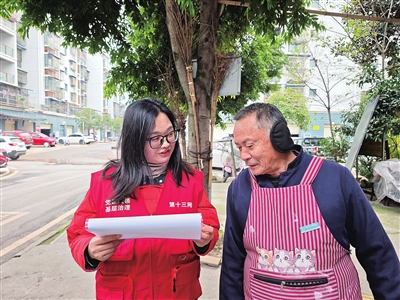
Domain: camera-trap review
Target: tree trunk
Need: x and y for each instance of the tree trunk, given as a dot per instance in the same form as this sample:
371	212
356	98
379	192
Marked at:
206	62
182	74
203	84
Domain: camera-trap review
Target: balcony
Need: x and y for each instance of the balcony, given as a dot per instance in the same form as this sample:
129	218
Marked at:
51	83
84	72
51	62
61	94
82	57
73	52
7	77
20	42
72	80
83	86
15	97
51	51
53	95
55	105
72	65
8	24
73	110
9	99
7	50
52	43
73	97
22	77
52	73
84	101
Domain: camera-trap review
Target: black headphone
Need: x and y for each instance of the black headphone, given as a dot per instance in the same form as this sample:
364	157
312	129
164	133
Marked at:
280	137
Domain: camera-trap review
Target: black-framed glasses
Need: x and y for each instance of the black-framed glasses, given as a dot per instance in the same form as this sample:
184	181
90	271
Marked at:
158	140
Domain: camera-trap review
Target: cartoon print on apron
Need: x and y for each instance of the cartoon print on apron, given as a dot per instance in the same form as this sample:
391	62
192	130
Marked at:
291	254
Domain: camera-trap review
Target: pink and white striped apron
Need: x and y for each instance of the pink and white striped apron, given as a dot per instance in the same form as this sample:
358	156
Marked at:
291	254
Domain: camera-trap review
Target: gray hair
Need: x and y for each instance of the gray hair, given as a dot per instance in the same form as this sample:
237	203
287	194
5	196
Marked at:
266	114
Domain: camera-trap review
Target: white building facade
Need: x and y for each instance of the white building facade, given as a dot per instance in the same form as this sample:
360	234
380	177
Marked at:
43	85
325	80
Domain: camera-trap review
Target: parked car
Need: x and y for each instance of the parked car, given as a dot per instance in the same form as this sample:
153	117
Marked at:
41	139
22	135
14	147
113	138
310	145
76	138
221	150
3	159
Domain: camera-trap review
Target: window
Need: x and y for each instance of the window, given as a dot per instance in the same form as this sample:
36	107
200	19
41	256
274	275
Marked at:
73	97
72	81
313	63
312	92
50	83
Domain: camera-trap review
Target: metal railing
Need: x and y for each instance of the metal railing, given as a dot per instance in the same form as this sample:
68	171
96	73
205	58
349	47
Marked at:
6	50
6	77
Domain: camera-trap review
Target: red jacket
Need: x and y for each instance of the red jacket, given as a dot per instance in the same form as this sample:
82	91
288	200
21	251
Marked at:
145	268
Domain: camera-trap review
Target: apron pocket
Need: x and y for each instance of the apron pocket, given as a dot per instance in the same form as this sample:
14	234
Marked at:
310	285
293	282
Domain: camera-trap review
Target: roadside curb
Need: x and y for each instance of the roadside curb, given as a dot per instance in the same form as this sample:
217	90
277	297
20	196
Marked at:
212	261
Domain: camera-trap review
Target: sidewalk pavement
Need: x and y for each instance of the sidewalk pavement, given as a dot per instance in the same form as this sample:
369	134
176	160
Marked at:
49	271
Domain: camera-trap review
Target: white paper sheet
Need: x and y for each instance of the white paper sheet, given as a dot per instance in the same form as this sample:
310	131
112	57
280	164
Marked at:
179	226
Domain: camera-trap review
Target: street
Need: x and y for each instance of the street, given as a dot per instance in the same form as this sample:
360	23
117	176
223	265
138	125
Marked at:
42	190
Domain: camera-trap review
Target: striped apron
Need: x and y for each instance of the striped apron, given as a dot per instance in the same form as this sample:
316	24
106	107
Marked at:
291	254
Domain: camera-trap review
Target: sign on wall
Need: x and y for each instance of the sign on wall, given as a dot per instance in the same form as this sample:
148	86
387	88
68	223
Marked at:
231	84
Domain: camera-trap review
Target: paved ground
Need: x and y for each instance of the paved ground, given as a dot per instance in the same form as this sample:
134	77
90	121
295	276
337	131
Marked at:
49	272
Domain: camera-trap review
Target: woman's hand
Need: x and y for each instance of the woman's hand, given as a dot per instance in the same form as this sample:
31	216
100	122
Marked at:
102	247
207	233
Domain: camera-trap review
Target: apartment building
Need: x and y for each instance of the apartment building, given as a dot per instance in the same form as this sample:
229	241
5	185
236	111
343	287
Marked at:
322	78
99	65
43	84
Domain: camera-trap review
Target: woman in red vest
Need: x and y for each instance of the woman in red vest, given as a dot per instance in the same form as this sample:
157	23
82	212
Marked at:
149	178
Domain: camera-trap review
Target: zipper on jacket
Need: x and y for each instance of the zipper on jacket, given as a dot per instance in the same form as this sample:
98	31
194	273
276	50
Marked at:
293	282
153	273
174	280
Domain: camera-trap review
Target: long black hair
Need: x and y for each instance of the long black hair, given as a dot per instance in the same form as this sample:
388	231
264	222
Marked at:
139	121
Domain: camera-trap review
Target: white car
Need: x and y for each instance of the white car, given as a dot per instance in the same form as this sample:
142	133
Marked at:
13	146
221	150
76	138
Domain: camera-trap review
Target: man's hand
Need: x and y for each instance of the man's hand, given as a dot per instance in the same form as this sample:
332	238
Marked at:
102	247
207	233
